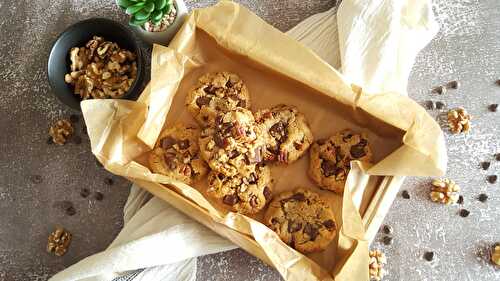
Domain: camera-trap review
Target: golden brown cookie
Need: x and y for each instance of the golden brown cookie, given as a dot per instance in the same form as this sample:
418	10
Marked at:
287	134
214	93
330	158
302	220
233	144
176	154
242	194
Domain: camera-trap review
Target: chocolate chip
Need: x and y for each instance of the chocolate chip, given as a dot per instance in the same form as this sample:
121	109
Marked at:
387	229
84	192
108	181
230	200
387	240
492	179
297	145
463	213
358	150
170	160
98	196
460	199
267	193
167	142
274	221
219	140
221	176
254	201
252	178
485	165
429	256
49	140
298	197
497	156
278	131
36	179
294	226
70	211
183	144
229	84
311	230
73	118
439	90
430	105
226	128
329	168
330	224
233	154
493	107
482	197
453	84
440	105
346	137
210	90
76	139
242	103
405	194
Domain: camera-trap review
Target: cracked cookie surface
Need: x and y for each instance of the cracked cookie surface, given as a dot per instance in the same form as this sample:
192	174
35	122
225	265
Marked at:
233	144
216	92
330	159
302	220
243	194
287	134
176	154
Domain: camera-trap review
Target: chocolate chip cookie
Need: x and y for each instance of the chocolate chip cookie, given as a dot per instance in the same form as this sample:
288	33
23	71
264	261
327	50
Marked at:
243	194
176	154
233	144
287	134
330	158
216	92
302	220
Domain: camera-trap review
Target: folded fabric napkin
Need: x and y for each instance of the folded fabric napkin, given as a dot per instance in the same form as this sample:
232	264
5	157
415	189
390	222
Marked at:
158	242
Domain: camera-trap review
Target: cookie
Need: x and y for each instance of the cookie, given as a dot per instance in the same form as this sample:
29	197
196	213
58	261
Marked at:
330	158
302	220
233	144
287	134
177	154
243	194
214	93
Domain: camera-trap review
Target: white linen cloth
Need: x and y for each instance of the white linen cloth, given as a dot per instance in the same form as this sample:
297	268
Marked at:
373	43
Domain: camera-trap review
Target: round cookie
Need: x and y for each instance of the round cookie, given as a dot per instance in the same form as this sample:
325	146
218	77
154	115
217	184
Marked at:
302	220
216	92
233	145
287	134
330	158
243	194
176	154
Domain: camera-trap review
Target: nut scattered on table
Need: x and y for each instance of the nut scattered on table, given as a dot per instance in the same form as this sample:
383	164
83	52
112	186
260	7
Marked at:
376	267
495	254
61	131
459	120
444	191
101	69
59	241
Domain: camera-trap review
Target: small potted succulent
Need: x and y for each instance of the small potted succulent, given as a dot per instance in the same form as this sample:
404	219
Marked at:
156	21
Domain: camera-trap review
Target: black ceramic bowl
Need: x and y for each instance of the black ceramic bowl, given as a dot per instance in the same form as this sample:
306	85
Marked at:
78	35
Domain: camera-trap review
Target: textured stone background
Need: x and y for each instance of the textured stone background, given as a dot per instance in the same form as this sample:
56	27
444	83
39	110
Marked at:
467	48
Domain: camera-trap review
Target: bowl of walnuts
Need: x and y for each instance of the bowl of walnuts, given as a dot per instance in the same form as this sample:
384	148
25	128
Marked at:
95	59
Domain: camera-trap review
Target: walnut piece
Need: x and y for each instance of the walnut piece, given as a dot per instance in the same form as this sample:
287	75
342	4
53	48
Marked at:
58	241
459	120
376	267
101	70
61	131
444	191
495	254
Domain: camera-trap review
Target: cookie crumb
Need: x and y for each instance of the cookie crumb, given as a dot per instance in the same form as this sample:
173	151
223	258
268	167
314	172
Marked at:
460	200
495	254
429	256
497	156
59	241
387	229
98	196
444	191
430	105
405	194
482	197
439	90
492	179
485	165
376	266
61	131
440	105
493	107
459	120
464	213
85	192
453	84
387	240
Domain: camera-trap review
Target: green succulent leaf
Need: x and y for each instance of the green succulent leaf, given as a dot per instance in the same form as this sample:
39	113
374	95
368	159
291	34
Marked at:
136	22
149	7
124	3
156	16
167	9
134	8
142	14
170	2
160	4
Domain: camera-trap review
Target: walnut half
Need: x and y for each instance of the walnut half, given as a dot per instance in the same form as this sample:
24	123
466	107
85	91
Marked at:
59	241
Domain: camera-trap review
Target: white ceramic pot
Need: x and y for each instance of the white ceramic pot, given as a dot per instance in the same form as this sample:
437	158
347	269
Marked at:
164	37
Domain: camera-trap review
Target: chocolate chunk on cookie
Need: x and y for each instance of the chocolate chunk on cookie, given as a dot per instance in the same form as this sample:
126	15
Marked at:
233	145
287	133
216	92
302	220
330	158
243	194
176	154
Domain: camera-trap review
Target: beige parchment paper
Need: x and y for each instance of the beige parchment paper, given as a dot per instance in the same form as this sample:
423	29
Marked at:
277	69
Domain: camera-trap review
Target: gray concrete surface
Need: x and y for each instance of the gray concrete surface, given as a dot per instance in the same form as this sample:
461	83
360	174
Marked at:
467	48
